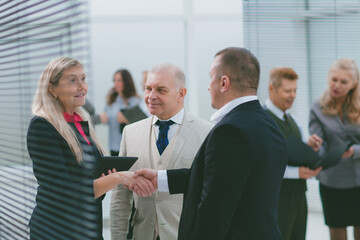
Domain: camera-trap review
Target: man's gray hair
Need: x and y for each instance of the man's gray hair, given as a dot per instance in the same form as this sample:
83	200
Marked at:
180	79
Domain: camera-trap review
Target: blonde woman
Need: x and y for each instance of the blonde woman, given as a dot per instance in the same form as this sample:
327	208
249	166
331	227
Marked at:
336	119
64	150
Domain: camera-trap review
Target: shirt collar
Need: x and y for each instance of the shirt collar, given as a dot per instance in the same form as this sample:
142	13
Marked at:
219	114
177	118
72	118
275	110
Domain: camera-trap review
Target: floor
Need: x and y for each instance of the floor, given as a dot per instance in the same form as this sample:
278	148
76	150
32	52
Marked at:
316	228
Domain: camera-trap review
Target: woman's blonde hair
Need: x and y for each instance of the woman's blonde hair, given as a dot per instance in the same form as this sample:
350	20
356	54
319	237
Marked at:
352	101
47	106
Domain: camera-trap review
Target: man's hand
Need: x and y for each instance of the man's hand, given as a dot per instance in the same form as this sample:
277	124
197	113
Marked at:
149	174
315	142
305	172
142	185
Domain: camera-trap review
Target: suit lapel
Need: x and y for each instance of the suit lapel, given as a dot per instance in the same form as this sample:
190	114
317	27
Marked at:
144	139
177	144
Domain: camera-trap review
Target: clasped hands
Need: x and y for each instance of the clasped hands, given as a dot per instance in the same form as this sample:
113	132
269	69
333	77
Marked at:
143	182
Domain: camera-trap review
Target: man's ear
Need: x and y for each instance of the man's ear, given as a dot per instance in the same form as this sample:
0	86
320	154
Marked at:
272	89
182	93
52	90
224	83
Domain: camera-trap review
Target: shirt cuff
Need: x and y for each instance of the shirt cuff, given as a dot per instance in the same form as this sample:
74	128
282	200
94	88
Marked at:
291	172
162	179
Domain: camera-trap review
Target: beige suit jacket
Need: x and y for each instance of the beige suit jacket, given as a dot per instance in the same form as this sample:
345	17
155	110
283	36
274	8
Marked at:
161	209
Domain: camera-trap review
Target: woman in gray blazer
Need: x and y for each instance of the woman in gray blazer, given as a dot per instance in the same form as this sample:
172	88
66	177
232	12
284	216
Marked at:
335	117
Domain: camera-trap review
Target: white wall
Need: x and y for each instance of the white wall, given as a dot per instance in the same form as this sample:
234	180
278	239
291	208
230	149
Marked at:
136	35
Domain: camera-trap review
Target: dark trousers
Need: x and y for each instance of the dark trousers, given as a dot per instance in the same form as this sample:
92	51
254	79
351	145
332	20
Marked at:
292	216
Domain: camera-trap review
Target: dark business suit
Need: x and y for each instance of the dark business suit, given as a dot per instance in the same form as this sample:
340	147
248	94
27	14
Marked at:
232	189
65	204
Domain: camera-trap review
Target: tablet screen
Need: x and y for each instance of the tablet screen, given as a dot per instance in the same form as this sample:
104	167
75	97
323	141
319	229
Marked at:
119	163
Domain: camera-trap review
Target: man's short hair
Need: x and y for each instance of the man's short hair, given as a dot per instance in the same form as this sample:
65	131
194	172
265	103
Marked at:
241	66
277	74
180	79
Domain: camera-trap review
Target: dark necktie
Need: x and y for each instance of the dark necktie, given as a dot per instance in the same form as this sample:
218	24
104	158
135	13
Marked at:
285	117
163	140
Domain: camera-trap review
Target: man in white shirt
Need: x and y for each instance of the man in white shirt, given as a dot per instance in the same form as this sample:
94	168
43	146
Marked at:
292	202
168	139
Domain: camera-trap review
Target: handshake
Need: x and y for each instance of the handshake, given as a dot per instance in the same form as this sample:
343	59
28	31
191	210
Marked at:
143	182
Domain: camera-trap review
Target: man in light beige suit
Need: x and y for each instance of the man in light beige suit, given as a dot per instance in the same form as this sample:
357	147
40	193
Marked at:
157	216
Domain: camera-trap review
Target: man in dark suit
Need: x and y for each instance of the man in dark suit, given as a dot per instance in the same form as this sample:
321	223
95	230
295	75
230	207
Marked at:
232	189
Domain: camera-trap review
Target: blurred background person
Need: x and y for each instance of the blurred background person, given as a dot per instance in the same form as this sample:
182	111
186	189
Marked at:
144	75
142	104
336	119
122	95
64	149
292	202
95	118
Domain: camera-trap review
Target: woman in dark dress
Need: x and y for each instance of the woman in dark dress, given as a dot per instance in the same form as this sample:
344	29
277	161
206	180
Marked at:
336	119
64	149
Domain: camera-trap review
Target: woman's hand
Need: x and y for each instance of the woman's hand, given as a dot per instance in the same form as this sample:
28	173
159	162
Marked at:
142	185
103	117
121	118
348	153
109	172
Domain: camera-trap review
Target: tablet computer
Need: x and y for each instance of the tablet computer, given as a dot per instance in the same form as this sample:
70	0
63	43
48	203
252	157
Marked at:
119	163
133	114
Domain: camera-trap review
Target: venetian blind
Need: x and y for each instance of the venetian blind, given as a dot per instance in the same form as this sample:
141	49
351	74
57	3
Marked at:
31	34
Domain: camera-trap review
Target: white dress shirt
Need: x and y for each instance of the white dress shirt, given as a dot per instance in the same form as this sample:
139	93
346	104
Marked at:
219	114
177	119
216	117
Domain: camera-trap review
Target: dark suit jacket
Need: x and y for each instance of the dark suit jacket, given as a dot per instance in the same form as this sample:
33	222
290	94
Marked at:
65	204
232	188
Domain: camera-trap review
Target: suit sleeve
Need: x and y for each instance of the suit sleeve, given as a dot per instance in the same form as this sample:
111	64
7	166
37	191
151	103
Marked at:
316	127
227	165
50	165
178	180
120	206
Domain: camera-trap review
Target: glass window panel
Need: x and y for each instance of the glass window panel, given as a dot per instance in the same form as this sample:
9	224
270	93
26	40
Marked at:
217	6
131	7
331	38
